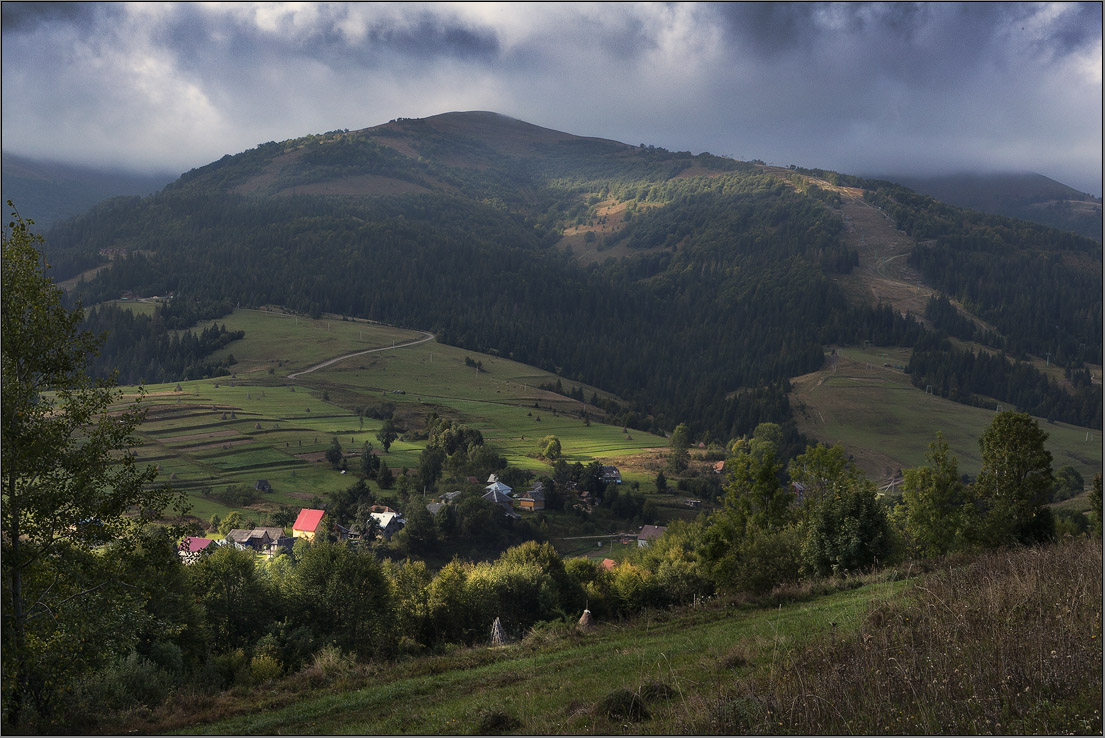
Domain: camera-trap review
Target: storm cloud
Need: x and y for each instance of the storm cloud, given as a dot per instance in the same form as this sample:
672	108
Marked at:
863	88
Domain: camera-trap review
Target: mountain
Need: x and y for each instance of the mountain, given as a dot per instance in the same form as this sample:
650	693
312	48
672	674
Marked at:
48	191
1028	196
694	286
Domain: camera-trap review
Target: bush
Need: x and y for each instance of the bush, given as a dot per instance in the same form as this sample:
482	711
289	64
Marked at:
769	558
133	680
233	667
264	668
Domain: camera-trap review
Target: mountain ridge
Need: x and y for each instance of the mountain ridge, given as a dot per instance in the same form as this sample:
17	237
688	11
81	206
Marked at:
1025	195
469	225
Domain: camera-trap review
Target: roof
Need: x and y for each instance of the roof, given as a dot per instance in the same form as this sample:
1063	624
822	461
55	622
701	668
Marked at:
239	535
609	564
533	494
434	507
450	496
274	533
651	532
499	487
308	519
494	495
195	544
386	519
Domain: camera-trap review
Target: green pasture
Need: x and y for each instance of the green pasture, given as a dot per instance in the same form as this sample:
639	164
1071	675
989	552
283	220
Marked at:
554	689
256	425
289	343
887	423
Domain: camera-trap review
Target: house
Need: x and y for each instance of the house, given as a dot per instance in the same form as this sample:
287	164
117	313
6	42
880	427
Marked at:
532	499
609	564
500	498
193	547
648	534
259	539
241	538
433	508
388	522
610	474
262	485
308	523
452	496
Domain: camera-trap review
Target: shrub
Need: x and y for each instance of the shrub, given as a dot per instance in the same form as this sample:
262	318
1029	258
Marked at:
264	668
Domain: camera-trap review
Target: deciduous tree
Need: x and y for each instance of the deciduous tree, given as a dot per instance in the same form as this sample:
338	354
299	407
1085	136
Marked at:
70	481
1015	481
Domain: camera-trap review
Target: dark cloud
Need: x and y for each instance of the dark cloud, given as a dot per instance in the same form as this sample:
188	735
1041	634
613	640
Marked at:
18	17
849	86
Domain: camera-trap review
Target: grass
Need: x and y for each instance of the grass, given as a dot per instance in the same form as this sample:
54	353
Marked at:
1005	642
261	425
887	423
551	682
257	425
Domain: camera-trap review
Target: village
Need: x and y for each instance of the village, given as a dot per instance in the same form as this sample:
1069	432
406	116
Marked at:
311	523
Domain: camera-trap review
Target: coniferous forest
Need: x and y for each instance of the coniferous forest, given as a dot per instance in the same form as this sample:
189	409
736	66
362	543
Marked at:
723	288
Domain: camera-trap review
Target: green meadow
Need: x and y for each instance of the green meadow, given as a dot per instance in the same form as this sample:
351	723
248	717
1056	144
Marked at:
264	423
271	421
552	684
879	416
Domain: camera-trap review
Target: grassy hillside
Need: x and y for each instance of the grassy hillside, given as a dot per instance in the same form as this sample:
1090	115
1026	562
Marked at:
975	647
887	423
261	424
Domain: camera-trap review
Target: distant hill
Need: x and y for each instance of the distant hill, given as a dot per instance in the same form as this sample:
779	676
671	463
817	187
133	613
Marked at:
692	286
1028	196
47	191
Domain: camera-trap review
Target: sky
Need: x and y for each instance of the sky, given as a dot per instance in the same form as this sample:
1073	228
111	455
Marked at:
898	88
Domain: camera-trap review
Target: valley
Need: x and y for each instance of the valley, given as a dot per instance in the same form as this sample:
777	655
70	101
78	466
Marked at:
571	435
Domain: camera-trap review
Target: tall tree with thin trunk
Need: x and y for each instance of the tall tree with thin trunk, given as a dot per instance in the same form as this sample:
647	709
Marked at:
70	485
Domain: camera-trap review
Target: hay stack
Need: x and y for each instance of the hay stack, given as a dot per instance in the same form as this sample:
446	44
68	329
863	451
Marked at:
498	635
586	621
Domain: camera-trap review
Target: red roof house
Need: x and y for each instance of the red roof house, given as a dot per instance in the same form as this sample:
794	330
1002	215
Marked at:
192	547
308	523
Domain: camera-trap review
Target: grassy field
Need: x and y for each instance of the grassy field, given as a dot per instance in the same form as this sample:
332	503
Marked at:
887	423
261	424
264	423
549	683
973	645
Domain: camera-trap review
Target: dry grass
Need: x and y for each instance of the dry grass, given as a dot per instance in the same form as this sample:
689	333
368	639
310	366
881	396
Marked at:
1007	644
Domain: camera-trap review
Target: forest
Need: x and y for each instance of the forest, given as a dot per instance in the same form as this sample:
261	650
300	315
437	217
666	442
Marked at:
724	263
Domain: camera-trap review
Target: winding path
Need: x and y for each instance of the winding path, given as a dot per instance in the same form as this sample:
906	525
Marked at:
426	336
